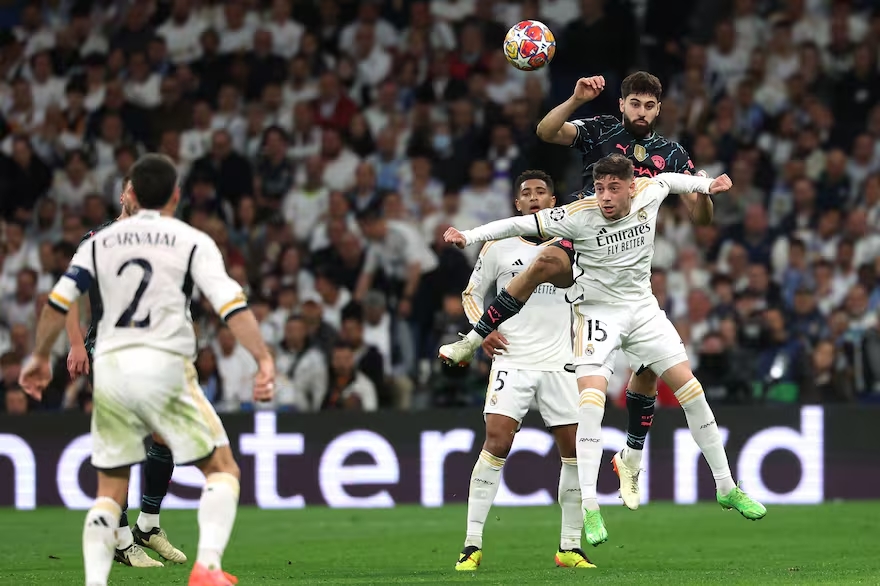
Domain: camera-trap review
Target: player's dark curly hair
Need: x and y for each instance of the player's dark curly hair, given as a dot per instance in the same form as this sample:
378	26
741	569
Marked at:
534	174
614	165
641	83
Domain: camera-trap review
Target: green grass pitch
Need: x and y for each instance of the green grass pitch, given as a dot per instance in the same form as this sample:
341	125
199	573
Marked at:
659	544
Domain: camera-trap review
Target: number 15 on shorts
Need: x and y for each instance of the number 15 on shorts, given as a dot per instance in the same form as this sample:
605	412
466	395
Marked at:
588	331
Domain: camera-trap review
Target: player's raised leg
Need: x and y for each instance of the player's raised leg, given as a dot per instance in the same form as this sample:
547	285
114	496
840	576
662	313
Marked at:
485	480
704	430
157	475
570	554
552	265
641	398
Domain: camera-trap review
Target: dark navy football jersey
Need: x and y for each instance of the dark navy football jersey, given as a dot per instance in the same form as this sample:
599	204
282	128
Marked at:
601	136
95	305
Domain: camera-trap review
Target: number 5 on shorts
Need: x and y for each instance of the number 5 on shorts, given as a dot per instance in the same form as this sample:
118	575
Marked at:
499	380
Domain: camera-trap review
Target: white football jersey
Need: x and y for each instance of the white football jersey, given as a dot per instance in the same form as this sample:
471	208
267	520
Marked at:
613	257
144	269
539	336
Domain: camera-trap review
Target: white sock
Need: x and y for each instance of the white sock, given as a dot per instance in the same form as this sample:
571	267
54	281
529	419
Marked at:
485	480
148	521
99	540
631	457
570	503
704	430
124	538
474	337
591	410
217	509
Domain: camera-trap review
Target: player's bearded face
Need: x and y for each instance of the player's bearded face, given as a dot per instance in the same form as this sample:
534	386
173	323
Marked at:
129	207
640	114
614	196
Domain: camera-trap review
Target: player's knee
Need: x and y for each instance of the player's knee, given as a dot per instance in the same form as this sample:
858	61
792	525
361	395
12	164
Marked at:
158	439
547	265
221	461
644	383
498	443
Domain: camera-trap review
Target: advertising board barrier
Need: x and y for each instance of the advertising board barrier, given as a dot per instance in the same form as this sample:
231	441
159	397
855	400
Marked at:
800	455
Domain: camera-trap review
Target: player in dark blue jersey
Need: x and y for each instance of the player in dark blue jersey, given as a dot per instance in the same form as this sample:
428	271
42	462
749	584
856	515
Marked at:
159	465
633	136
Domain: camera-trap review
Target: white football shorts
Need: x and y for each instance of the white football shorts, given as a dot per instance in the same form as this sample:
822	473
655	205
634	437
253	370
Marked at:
511	392
641	330
138	391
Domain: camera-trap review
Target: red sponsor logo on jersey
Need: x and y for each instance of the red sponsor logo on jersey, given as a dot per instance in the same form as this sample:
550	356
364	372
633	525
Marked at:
690	164
566	244
622	148
642	171
659	162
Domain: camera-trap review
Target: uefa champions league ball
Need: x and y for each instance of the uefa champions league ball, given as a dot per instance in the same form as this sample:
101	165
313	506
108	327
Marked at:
529	45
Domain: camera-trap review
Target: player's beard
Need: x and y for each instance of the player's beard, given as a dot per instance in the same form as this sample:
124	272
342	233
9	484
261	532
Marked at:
637	130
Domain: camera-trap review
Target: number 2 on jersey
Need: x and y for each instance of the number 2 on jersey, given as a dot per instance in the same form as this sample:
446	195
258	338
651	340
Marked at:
595	326
126	320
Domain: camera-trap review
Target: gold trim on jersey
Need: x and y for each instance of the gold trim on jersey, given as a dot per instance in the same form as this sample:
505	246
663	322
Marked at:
545	243
471	310
642	184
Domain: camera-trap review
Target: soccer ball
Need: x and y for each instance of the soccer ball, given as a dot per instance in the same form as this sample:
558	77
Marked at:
529	45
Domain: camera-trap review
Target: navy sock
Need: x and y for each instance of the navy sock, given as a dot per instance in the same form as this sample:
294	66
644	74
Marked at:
157	476
123	519
641	415
502	309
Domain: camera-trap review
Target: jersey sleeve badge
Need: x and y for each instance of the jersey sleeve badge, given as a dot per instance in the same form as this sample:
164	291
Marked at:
640	153
557	214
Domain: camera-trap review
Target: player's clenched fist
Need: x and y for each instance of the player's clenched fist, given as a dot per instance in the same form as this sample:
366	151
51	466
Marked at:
587	88
719	184
455	237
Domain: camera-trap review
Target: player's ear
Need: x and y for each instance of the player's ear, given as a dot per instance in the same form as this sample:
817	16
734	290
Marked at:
658	108
620	103
516	204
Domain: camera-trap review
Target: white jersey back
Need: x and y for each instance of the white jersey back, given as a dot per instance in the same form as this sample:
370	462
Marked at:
539	336
614	256
144	269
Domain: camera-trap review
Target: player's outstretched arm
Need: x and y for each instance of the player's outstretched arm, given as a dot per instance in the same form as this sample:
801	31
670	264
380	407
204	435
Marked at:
498	230
555	127
77	358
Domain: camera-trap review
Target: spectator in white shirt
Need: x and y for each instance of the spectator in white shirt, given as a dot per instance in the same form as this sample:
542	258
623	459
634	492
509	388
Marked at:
439	34
21	114
372	60
484	199
236	367
306	137
379	114
20	307
725	59
300	86
368	13
142	87
340	163
196	141
182	32
304	365
286	32
333	297
236	33
349	388
503	86
32	31
305	206
228	116
46	89
74	183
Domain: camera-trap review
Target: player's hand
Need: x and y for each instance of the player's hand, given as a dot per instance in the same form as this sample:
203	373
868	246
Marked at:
494	344
587	88
77	361
35	376
720	184
455	237
264	381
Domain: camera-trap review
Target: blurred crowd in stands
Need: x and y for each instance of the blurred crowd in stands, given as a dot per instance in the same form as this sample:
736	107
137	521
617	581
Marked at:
327	144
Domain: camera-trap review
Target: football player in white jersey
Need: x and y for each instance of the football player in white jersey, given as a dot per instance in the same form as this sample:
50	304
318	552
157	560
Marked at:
144	269
614	309
530	367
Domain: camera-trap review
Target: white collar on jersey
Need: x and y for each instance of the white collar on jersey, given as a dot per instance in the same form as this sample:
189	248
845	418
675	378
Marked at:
147	213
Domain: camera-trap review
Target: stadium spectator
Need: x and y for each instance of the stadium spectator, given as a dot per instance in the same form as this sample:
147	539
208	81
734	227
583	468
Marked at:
349	388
